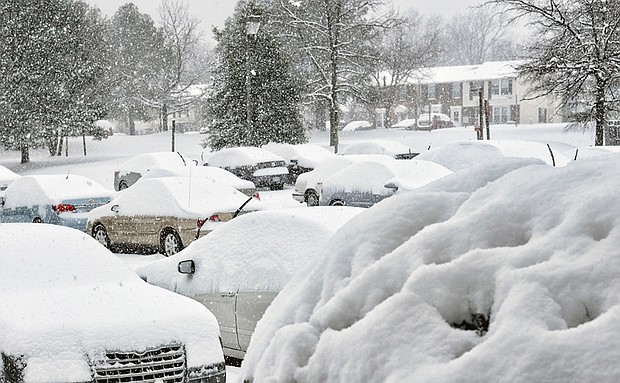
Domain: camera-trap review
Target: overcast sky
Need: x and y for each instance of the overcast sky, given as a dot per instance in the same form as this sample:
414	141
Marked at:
215	12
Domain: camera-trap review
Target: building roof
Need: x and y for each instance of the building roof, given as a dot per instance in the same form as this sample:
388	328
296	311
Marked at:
485	71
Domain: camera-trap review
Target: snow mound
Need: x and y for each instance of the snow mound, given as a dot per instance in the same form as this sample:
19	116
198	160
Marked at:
503	272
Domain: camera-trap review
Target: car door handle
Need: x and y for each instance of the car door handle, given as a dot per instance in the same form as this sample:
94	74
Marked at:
228	293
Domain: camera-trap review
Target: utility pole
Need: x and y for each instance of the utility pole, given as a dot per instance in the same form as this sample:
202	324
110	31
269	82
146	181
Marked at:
174	128
480	134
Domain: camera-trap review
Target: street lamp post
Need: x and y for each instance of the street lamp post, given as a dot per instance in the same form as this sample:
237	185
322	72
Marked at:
252	24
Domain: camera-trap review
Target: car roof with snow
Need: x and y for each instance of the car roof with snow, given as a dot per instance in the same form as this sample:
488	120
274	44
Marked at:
210	172
142	162
306	155
52	189
241	156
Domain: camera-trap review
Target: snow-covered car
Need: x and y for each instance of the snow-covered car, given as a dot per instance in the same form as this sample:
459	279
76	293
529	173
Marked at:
593	151
365	183
207	172
131	170
436	121
234	273
6	177
357	125
462	154
408	123
167	213
299	158
497	273
258	165
71	311
390	148
60	199
308	185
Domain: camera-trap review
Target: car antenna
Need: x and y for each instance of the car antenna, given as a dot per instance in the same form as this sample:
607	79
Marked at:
68	171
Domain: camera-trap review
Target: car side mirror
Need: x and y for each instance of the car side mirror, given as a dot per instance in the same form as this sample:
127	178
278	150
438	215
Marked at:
114	208
391	185
187	267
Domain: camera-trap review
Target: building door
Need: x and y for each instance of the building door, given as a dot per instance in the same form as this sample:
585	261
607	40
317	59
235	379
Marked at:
380	120
456	115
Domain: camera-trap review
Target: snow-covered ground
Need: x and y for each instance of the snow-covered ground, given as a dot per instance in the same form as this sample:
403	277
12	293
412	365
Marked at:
532	252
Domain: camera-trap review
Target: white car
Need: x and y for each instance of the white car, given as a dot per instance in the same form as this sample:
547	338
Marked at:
437	121
71	311
131	170
238	269
357	125
387	147
363	184
60	199
258	165
308	185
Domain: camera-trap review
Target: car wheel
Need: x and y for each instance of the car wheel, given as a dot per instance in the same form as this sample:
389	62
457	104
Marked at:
336	202
122	185
170	243
101	235
312	198
37	220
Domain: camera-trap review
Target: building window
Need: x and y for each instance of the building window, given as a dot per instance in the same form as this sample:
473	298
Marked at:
474	88
500	114
501	87
456	90
432	93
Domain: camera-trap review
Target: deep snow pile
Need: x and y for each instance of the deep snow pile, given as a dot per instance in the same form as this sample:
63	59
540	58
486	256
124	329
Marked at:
531	247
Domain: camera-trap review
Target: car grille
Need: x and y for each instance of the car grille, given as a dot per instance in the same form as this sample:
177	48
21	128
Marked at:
165	363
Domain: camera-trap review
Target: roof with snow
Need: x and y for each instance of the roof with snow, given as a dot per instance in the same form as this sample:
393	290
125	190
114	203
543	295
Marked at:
448	74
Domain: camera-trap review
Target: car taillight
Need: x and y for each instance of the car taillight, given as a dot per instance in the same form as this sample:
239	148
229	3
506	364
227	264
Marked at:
256	195
63	208
200	222
215	218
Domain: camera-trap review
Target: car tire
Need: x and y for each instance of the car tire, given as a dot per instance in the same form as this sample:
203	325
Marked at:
101	235
37	220
122	185
312	198
336	202
170	242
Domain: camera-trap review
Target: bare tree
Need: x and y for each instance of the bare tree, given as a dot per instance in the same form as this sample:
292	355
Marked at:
336	37
175	78
409	46
478	35
575	54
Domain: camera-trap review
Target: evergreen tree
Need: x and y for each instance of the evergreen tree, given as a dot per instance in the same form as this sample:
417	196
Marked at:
51	65
255	98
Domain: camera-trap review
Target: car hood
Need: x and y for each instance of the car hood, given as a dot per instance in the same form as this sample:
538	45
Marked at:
60	332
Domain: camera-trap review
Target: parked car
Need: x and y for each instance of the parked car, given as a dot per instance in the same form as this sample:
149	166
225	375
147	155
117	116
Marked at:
167	213
6	177
207	172
357	125
308	185
299	158
390	148
254	164
73	312
365	183
57	199
234	273
463	154
437	121
130	171
408	123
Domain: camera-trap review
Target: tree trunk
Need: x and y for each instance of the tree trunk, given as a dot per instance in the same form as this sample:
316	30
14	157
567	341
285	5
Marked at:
131	125
600	116
25	158
164	117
